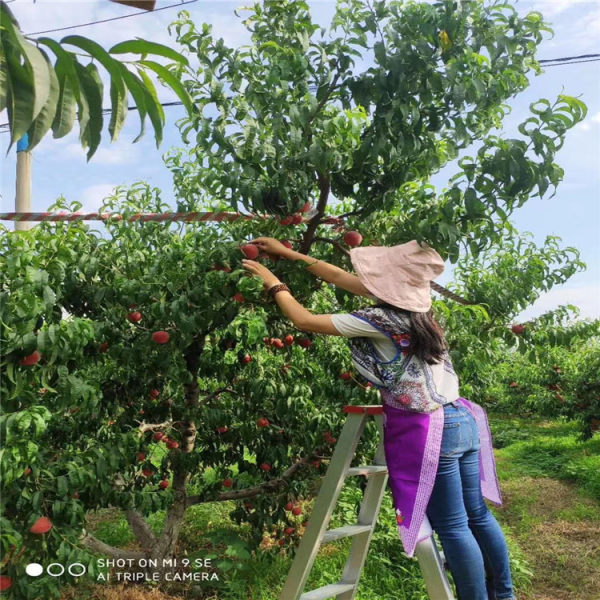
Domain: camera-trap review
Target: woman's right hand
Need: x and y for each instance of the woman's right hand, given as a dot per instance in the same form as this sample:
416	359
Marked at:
272	246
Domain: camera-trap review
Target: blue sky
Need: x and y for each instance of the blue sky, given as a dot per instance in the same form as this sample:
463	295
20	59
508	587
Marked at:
59	166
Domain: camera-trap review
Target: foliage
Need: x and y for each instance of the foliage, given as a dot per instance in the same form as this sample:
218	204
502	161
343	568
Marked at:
561	379
79	417
40	96
300	118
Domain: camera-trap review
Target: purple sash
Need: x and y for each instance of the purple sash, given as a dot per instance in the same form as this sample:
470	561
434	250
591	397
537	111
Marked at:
412	443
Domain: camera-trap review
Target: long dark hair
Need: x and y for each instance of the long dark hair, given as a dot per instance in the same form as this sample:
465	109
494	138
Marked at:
427	339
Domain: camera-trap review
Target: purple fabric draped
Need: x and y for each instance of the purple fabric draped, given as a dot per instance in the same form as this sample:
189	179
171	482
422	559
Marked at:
412	442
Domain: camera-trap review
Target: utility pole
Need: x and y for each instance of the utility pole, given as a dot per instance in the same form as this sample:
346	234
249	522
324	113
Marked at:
23	185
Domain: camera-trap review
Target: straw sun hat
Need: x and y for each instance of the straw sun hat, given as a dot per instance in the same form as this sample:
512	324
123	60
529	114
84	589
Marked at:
399	275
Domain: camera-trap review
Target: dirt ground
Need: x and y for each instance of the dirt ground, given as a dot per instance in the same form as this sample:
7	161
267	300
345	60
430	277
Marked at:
558	531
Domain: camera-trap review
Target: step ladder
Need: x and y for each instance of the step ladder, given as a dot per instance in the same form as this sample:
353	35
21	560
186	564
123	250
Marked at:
317	534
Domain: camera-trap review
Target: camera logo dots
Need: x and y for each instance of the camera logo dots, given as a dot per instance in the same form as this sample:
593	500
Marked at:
55	569
34	569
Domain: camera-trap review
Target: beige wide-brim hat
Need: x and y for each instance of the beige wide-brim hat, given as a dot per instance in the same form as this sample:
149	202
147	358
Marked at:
399	275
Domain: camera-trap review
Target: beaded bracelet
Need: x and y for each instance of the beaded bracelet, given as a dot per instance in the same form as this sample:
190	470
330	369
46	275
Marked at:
279	287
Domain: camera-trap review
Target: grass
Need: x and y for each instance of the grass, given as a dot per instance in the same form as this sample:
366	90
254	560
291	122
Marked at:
550	483
540	448
551	486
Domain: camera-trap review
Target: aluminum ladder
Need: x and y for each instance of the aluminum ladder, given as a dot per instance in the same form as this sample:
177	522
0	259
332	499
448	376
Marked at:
316	534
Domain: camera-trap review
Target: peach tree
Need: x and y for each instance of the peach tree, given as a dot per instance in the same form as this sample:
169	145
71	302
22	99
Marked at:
143	369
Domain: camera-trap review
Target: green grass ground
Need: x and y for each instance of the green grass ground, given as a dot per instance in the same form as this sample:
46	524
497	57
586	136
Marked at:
551	489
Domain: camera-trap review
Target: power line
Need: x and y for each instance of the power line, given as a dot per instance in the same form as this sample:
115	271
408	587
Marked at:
142	12
564	58
573	62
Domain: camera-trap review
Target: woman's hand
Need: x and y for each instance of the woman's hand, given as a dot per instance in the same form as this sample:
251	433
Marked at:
272	246
257	269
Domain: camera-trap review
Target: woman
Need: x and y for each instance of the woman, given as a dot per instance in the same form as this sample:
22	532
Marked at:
437	445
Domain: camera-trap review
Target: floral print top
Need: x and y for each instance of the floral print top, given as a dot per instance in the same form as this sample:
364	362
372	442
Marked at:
405	382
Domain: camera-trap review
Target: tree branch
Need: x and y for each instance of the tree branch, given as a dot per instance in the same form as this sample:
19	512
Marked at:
143	427
140	528
94	544
333	243
324	187
268	487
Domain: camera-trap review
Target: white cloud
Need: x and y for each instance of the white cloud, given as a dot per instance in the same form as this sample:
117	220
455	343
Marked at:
118	153
92	196
586	298
587	124
550	8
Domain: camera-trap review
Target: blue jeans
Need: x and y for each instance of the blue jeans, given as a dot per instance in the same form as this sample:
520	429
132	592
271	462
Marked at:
472	540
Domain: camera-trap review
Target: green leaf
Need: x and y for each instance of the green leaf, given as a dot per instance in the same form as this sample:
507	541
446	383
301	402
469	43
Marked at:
69	88
155	110
35	62
20	94
3	81
139	93
91	89
118	99
118	93
171	81
139	46
44	120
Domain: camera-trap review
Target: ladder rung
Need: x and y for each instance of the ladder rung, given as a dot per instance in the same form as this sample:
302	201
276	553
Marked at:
332	590
346	531
367	470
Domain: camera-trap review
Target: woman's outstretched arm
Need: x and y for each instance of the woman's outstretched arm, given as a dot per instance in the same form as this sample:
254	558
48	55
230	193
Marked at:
320	268
302	318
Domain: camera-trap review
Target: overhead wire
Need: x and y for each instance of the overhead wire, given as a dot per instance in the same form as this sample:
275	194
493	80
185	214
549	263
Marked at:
142	12
566	58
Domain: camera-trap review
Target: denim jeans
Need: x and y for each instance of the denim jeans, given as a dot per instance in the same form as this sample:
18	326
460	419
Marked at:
473	544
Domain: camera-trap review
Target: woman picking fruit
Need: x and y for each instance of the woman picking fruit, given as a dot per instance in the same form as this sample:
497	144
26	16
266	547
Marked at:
437	445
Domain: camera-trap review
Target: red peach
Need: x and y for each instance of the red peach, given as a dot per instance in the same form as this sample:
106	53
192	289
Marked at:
353	238
42	525
31	359
160	337
250	251
5	582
